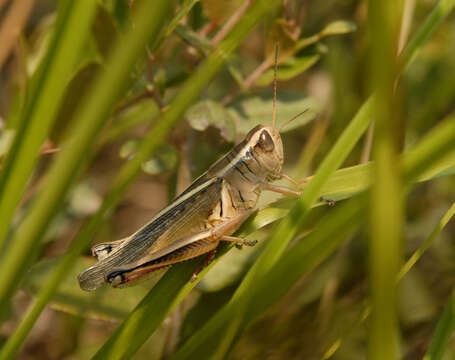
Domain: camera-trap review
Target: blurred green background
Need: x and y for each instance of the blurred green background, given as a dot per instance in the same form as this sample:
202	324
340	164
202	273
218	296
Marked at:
54	54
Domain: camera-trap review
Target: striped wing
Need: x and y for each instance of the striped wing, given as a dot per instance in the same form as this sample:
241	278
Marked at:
187	213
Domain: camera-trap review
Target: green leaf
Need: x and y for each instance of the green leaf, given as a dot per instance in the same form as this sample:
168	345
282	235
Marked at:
335	28
109	305
185	8
84	200
128	149
210	113
290	68
257	109
338	27
165	159
193	38
134	115
284	33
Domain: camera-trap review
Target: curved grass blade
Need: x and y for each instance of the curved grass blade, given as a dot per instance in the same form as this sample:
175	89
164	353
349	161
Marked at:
427	243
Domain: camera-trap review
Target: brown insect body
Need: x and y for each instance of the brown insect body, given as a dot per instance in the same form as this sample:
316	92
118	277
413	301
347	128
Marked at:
206	213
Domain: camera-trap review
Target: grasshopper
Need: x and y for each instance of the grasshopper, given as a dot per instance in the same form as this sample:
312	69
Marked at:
205	214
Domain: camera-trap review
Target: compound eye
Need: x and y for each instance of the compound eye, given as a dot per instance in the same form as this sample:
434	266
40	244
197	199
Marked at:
266	142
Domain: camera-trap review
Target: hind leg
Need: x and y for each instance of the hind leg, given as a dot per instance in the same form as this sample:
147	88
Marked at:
186	248
207	260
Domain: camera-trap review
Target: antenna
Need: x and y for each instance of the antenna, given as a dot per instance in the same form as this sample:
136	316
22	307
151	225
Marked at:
274	85
291	120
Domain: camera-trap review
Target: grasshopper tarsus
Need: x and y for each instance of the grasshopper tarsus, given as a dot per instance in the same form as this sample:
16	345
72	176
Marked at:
251	243
329	202
245	242
239	242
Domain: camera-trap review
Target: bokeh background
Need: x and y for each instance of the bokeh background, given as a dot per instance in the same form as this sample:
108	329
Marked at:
324	67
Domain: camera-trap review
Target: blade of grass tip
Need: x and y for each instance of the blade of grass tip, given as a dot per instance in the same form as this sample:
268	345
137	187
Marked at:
71	30
201	338
153	138
425	31
444	332
86	125
387	197
427	243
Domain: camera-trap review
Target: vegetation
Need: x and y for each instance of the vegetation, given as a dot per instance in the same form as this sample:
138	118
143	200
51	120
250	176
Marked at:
110	108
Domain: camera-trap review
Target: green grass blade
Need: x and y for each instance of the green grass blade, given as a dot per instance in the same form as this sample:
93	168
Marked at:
426	30
43	99
87	123
427	243
444	332
387	197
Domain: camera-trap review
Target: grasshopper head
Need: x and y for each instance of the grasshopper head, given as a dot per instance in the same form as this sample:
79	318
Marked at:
267	147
